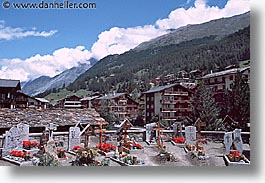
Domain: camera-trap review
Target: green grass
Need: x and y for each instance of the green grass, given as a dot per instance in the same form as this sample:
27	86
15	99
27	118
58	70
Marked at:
54	97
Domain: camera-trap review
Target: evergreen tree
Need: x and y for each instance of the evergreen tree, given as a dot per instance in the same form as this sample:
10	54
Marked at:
205	107
238	101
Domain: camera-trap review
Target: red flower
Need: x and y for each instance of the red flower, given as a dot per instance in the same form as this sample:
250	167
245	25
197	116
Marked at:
179	140
235	153
105	147
18	153
76	148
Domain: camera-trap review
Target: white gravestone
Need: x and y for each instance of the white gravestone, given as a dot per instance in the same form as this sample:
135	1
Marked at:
190	135
238	140
24	131
74	137
228	141
12	141
149	130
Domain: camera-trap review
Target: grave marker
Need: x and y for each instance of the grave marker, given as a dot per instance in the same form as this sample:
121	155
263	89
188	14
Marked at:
74	137
190	135
12	141
228	141
238	140
149	130
177	129
51	149
51	127
24	131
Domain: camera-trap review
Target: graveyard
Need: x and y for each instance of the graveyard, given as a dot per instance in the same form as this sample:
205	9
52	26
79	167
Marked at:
86	141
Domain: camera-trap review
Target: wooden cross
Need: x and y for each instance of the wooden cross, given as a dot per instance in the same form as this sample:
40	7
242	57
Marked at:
159	139
125	127
100	132
198	124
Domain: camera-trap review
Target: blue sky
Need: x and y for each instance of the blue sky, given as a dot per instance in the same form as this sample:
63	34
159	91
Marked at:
79	27
114	26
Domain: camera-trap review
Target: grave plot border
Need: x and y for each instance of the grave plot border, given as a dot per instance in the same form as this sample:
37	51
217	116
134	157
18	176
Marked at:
230	163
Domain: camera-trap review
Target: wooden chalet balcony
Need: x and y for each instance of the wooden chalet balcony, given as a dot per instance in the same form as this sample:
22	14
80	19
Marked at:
176	109
174	101
176	93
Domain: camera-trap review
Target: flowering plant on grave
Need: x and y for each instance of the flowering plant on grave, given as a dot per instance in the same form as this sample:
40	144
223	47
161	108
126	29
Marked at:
106	147
86	157
235	156
21	154
27	144
133	145
76	148
179	140
61	153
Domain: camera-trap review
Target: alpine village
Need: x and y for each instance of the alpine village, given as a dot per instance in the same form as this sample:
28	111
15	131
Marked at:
182	99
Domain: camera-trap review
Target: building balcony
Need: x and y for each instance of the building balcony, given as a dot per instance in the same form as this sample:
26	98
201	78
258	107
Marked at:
176	93
174	101
176	110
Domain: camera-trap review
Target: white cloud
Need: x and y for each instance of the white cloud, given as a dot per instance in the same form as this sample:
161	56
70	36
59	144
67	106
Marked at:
9	33
118	40
48	65
201	13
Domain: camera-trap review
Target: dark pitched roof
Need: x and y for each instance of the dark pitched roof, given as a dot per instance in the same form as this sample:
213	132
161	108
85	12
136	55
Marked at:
161	88
110	96
225	72
8	83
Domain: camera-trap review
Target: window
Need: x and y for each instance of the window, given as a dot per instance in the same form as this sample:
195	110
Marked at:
152	106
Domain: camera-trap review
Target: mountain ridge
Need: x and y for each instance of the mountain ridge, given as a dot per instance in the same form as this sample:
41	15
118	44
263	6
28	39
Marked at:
44	83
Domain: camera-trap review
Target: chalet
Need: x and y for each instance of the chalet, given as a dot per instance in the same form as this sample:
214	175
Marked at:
170	102
87	102
21	100
218	82
72	101
39	103
8	92
121	104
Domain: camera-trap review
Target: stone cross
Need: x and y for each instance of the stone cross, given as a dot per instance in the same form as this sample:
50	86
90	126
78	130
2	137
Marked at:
228	141
74	137
177	129
190	135
101	131
238	140
51	127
